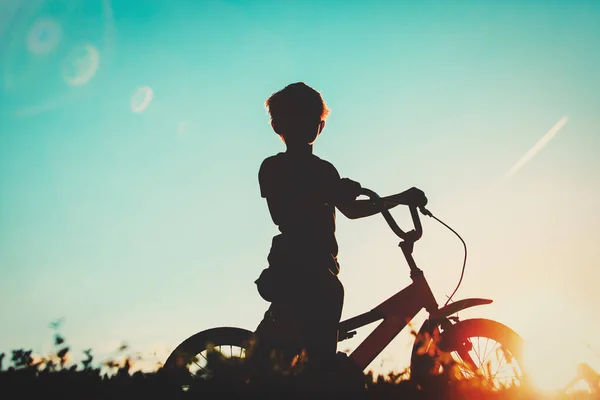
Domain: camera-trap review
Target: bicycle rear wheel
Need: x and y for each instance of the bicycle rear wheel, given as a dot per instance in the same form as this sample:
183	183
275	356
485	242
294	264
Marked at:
213	357
477	349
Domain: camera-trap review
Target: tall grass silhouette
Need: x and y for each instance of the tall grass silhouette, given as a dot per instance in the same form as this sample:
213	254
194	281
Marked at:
24	375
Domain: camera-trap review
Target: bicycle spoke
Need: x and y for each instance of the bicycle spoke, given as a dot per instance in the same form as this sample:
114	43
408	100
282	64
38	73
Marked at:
201	367
477	354
495	379
464	369
203	356
501	364
486	345
486	356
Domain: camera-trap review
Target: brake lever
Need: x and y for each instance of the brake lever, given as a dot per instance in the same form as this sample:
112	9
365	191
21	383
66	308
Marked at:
425	211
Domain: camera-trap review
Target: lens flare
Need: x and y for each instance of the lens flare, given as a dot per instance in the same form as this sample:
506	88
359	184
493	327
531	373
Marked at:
554	345
52	45
141	99
81	65
44	36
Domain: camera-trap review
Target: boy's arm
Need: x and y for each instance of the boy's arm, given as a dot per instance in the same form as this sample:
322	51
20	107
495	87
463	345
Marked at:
354	209
360	208
346	192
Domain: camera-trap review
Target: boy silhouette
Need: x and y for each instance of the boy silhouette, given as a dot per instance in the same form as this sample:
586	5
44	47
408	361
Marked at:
302	193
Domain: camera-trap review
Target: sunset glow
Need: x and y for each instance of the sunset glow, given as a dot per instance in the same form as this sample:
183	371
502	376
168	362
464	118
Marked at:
132	133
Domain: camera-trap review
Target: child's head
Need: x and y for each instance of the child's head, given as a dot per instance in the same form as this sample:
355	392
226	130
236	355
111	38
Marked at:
298	113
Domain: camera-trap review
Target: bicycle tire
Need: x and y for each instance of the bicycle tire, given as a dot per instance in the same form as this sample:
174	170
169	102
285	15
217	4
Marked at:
185	353
451	339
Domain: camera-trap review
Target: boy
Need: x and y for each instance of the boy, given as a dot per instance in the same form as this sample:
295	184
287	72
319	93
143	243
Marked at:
302	192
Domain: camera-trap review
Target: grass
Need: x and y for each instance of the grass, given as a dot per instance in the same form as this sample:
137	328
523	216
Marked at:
24	376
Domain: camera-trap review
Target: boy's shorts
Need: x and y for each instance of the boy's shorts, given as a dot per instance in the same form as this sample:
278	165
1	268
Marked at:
293	270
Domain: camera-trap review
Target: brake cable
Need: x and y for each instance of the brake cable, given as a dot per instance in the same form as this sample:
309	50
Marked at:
464	260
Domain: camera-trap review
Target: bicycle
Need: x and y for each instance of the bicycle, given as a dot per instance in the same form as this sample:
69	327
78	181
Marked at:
441	334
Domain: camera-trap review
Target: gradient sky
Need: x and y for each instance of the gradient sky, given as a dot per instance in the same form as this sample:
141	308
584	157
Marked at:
148	226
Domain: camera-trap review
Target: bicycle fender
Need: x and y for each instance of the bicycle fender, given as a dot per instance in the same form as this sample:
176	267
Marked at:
438	317
457	306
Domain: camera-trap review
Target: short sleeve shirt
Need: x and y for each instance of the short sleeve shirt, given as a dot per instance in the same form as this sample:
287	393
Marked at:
299	190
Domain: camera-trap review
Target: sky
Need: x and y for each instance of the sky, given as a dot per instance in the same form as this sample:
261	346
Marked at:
132	133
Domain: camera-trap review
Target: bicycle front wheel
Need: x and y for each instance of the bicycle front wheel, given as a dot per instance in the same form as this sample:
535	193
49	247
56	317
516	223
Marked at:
480	349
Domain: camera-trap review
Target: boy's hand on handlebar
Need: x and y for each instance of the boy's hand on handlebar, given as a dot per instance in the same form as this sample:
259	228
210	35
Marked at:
416	197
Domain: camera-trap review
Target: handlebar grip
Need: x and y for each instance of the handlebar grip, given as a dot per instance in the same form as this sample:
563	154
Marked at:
409	236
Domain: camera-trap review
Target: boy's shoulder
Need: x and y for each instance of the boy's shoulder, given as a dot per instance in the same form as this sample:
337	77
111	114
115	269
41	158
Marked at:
272	159
280	160
280	170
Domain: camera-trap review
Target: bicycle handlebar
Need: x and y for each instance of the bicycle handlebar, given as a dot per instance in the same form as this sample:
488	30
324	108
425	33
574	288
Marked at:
412	235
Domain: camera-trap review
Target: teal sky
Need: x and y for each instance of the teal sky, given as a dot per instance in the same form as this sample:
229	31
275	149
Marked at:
148	227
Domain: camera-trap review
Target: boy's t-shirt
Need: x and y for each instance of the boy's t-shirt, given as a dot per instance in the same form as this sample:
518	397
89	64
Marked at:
300	193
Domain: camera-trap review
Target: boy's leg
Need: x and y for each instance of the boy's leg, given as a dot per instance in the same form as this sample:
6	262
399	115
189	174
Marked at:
276	332
328	370
318	312
321	316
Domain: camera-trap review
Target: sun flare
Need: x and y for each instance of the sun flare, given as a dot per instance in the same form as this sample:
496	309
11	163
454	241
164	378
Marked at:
554	346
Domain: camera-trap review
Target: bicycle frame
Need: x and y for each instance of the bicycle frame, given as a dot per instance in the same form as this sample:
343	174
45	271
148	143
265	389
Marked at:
398	310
